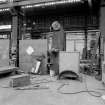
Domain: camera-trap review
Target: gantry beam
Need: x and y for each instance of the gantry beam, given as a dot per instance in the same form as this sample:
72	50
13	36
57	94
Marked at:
30	2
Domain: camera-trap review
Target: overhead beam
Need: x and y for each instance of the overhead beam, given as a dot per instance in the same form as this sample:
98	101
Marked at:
28	2
8	5
22	3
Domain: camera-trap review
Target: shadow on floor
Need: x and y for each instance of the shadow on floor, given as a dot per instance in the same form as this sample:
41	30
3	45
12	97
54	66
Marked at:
5	75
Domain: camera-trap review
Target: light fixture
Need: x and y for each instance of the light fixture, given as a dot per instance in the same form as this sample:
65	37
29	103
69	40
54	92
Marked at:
4	9
5	27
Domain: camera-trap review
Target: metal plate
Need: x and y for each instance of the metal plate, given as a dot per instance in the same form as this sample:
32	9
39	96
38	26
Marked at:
4	52
69	61
27	59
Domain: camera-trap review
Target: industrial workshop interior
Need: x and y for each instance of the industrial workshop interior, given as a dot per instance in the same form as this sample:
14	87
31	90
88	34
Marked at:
52	52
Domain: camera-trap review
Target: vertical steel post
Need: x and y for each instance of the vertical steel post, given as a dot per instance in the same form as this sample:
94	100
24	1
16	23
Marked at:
86	35
102	24
102	29
16	34
86	27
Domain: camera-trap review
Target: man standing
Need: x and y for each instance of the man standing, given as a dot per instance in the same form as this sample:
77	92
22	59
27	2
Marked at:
58	44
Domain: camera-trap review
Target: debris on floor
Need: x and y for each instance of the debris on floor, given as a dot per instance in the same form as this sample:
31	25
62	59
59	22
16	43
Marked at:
49	88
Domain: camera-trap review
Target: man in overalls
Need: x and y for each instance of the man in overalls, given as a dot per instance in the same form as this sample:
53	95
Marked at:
58	44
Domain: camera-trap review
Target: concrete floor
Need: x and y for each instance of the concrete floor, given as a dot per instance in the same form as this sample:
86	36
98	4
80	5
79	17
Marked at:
51	96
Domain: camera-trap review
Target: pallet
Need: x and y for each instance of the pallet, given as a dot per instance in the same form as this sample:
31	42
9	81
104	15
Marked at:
20	80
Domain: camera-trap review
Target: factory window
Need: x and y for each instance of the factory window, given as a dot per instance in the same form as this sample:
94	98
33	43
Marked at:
75	41
4	36
34	36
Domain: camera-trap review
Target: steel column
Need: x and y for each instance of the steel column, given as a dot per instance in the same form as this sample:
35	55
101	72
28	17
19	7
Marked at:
15	35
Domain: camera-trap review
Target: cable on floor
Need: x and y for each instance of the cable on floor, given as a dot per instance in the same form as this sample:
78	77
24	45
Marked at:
91	92
42	81
37	84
